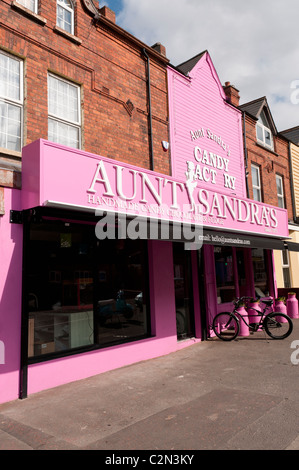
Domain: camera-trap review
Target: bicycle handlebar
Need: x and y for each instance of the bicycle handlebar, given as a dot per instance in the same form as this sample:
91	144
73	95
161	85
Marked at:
239	300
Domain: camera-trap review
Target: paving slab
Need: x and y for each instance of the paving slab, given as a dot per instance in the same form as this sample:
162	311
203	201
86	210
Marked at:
241	395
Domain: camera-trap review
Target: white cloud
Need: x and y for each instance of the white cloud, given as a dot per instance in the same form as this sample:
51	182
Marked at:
253	44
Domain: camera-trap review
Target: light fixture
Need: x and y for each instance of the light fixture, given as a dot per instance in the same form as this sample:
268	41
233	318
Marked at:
165	145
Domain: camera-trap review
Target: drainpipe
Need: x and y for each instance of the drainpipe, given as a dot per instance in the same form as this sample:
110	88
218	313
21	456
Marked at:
246	157
149	111
292	185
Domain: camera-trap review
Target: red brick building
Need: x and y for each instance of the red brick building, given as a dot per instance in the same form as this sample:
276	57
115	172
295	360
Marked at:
269	175
266	153
70	75
80	50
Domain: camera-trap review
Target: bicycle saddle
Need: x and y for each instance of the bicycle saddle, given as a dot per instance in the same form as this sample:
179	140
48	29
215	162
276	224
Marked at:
267	301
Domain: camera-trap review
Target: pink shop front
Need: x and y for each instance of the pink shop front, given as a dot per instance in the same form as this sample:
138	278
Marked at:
122	264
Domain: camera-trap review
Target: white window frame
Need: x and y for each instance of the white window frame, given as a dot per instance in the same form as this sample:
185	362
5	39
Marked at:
25	4
254	186
61	4
260	125
280	196
59	119
286	267
19	103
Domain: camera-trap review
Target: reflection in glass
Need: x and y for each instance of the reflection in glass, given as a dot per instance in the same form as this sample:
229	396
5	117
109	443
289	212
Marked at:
225	281
83	292
121	309
261	282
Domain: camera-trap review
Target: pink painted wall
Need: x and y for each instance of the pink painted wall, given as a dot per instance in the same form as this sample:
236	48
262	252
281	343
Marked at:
198	103
11	236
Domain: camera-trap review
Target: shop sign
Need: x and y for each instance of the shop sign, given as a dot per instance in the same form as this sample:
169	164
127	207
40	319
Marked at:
117	188
58	176
206	166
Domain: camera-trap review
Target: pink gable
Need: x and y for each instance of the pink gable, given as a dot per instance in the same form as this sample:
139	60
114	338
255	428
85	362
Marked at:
206	132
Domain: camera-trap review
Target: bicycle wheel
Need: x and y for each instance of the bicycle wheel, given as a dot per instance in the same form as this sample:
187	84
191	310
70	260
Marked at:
278	325
226	326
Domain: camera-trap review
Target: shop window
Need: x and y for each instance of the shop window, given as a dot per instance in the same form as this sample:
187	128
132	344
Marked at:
11	102
260	272
243	281
225	278
83	293
280	192
32	5
64	121
256	183
121	294
263	132
65	15
286	268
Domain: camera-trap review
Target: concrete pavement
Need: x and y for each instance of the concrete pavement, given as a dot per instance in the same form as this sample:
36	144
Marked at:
212	395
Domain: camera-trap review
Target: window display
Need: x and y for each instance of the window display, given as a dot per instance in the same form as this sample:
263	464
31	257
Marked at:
260	269
83	292
225	279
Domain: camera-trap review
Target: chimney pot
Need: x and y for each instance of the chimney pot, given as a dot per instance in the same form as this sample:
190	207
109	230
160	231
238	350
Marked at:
232	94
109	14
159	48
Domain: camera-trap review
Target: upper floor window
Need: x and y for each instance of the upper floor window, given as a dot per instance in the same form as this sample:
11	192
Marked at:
280	192
256	183
65	15
11	102
64	121
263	132
30	4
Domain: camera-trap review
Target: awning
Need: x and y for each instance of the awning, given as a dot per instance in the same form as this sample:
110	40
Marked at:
213	237
222	238
173	232
291	246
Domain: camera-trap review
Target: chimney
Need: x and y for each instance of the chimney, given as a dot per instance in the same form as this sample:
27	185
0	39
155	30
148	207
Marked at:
109	14
232	94
159	48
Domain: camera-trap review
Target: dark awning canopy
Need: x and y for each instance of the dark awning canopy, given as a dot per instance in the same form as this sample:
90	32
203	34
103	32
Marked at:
291	246
177	232
213	237
226	238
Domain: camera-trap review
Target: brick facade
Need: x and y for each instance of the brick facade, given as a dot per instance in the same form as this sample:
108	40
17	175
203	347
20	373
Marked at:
111	69
270	162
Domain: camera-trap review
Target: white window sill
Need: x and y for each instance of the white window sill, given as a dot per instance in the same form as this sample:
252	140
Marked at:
25	11
10	153
266	147
67	35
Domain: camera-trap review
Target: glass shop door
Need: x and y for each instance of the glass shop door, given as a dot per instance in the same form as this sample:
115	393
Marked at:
183	291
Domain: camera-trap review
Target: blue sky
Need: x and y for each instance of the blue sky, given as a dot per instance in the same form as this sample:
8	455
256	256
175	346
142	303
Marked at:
254	44
115	5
